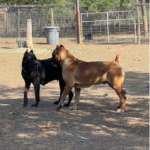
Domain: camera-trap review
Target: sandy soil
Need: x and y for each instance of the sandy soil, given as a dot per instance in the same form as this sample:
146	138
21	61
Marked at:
95	125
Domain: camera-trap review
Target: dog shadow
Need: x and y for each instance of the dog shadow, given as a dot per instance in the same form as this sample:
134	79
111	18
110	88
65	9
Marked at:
95	117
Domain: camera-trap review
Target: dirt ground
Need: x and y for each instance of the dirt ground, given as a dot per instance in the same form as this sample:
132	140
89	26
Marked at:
95	125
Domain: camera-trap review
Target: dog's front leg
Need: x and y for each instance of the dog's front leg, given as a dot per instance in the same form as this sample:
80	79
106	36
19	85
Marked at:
62	85
66	91
77	95
27	86
37	92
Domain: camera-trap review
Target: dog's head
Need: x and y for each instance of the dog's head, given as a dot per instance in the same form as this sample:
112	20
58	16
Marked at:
29	61
56	55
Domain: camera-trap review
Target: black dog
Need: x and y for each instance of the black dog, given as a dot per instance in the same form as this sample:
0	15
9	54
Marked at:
40	72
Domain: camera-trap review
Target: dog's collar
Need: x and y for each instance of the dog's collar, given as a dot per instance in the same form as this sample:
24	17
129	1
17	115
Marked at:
27	71
24	70
36	68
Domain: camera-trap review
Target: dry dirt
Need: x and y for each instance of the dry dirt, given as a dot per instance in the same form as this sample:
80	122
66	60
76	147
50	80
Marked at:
95	125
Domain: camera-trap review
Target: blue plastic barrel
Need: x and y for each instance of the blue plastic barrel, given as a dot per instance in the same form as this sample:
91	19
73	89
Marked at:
21	44
52	35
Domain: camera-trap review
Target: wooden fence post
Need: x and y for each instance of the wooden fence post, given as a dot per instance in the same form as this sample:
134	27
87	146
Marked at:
138	21
78	22
75	11
52	18
144	19
18	22
29	43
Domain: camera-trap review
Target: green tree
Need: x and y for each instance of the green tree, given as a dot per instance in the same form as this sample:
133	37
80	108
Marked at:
107	5
35	2
96	5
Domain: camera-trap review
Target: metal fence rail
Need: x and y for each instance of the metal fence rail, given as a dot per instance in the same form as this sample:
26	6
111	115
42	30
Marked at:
109	27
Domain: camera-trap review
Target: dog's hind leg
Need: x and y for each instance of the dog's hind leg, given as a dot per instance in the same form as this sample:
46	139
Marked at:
123	99
57	102
61	86
69	100
121	93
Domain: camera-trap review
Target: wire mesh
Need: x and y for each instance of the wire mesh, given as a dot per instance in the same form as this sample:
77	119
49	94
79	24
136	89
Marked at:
108	27
95	27
13	21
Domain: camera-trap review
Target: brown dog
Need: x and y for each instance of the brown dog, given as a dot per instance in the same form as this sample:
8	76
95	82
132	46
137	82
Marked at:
79	74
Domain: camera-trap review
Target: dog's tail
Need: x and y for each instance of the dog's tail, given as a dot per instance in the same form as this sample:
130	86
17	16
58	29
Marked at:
117	59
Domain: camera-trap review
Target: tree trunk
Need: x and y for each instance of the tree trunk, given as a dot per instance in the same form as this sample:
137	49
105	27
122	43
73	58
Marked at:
121	3
144	19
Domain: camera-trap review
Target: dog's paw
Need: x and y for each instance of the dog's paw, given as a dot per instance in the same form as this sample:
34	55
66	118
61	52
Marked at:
25	104
56	102
59	106
120	110
73	108
34	105
67	105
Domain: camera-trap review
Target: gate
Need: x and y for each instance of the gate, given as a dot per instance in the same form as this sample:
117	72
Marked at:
109	27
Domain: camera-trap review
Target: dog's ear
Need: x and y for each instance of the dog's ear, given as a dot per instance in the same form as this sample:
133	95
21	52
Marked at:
26	51
57	49
31	51
62	46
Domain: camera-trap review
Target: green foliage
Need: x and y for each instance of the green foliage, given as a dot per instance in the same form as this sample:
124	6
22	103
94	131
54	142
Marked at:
107	5
124	4
96	5
35	2
87	5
